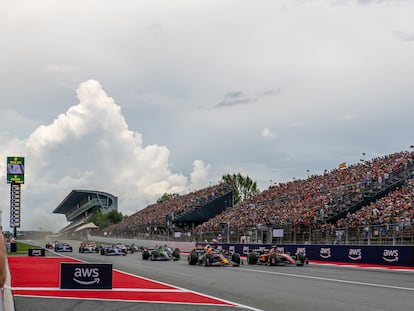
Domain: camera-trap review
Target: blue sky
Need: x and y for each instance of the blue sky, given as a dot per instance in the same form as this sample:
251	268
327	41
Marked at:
139	98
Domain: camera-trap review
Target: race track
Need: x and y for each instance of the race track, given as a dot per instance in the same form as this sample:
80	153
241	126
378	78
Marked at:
312	287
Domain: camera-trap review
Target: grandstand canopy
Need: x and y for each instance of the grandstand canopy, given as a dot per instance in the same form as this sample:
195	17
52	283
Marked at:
89	225
79	204
76	196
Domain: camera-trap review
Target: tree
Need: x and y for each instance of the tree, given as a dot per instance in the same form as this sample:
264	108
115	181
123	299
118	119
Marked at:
114	217
244	187
104	220
167	196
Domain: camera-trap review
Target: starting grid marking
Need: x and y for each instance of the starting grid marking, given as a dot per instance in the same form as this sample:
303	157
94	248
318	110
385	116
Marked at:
39	277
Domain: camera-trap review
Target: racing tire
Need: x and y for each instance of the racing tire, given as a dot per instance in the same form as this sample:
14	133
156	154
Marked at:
102	251
300	259
207	260
235	258
145	255
176	255
80	250
154	255
192	258
252	258
272	260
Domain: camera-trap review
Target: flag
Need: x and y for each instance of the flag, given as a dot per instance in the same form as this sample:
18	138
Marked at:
342	165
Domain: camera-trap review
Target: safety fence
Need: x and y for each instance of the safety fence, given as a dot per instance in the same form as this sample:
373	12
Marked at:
383	234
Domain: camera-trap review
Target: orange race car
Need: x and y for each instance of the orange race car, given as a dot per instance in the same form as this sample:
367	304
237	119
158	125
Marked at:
210	256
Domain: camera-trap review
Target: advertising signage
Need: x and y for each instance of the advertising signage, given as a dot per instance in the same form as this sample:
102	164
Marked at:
15	170
85	275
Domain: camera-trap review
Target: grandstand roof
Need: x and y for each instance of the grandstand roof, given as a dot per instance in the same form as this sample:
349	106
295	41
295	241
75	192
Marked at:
77	196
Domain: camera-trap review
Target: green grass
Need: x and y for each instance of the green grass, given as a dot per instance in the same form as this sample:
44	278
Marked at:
22	248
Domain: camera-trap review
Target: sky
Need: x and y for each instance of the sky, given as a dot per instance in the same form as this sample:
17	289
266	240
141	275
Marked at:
142	98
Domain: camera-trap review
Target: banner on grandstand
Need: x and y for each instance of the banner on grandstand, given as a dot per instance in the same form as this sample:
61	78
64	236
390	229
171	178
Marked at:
277	233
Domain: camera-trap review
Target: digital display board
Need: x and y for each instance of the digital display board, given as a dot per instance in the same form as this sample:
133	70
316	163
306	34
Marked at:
15	170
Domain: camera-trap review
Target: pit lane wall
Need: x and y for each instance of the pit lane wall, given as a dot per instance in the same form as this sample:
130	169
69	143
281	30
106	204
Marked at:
353	254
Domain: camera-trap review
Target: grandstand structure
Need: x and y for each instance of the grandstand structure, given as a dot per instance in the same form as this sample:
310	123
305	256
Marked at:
176	215
327	208
79	204
370	202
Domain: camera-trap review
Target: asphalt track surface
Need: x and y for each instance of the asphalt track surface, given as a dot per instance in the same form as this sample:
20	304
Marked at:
253	287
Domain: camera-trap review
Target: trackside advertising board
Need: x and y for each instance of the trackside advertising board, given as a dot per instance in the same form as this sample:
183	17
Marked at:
359	254
37	252
85	276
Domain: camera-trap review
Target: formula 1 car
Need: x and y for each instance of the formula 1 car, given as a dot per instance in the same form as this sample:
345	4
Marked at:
112	250
51	244
88	247
63	247
162	253
213	257
132	248
274	257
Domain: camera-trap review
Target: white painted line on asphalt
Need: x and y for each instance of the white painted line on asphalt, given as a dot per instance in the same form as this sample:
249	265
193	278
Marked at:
328	279
143	290
191	291
147	301
385	268
173	288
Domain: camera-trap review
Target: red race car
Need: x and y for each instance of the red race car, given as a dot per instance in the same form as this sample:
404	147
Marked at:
275	257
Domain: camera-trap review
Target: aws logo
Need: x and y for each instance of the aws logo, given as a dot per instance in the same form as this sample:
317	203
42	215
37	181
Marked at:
86	276
301	250
325	253
355	254
281	249
245	250
390	255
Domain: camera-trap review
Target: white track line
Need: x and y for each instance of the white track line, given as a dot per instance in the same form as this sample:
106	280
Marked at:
177	289
328	279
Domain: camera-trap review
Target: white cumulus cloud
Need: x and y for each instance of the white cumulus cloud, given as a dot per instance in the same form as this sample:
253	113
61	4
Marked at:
90	147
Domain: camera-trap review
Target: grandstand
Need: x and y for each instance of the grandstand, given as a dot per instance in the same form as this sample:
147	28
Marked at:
79	204
178	214
367	202
308	210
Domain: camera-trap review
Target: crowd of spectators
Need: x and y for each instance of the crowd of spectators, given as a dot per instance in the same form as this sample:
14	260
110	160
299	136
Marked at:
395	210
300	203
309	202
164	213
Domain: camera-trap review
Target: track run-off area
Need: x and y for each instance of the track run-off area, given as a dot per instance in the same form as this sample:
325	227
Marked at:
175	285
